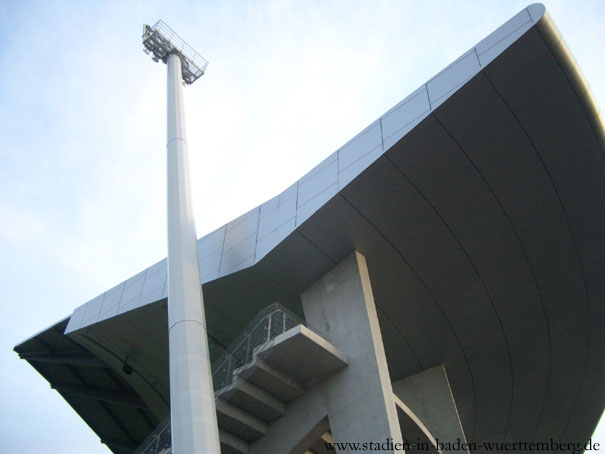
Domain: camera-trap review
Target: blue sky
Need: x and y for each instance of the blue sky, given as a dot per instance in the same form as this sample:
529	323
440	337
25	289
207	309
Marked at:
82	130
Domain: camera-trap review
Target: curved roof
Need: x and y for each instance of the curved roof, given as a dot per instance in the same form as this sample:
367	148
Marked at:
479	203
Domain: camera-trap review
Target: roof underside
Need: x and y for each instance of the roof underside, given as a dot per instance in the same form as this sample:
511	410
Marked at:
483	230
98	393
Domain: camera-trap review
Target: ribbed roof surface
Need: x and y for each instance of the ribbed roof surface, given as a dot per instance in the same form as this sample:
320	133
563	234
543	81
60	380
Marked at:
479	203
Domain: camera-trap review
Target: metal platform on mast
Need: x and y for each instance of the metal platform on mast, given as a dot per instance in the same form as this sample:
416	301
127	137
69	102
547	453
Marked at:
161	41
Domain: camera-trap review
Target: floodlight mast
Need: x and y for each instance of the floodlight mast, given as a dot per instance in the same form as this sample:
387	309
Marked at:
194	427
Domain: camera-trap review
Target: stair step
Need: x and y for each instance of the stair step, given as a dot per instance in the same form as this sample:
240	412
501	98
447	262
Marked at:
239	422
253	399
230	444
270	379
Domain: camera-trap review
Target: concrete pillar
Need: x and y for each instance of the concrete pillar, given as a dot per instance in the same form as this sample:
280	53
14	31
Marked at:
429	397
359	398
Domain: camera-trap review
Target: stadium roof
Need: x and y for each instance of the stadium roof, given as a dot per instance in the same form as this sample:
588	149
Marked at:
479	203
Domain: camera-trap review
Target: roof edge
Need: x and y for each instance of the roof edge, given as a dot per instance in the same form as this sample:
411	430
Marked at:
562	53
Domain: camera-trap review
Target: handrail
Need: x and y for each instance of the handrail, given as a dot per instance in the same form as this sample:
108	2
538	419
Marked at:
272	321
269	323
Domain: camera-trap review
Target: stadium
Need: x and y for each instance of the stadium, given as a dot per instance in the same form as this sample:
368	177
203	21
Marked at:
438	278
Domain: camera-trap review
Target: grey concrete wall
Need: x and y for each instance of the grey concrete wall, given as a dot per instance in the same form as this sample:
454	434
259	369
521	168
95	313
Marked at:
359	399
305	420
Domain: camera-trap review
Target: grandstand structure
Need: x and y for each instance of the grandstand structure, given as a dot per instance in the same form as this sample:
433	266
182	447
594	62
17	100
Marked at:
438	278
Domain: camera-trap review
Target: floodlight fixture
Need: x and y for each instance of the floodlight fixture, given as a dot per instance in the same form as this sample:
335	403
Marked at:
160	41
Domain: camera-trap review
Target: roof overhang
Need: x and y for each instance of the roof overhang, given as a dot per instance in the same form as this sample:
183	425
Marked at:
482	222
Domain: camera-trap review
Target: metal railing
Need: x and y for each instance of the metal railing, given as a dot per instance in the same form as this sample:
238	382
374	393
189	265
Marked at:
159	442
272	321
160	41
268	324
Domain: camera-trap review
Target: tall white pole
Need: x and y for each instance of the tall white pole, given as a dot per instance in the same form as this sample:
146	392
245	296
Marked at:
192	411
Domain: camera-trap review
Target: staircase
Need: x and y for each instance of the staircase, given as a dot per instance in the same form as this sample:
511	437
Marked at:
270	364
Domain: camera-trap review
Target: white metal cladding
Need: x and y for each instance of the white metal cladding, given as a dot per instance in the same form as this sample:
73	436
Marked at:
247	239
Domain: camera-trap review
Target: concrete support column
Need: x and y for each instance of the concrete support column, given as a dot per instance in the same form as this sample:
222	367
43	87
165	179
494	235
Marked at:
360	401
427	397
